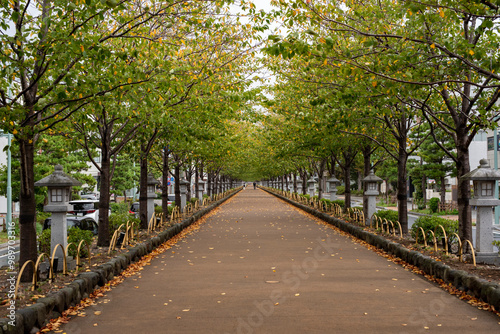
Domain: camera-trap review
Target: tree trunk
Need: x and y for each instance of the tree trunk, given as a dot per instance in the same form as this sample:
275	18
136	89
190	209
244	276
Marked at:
360	181
103	238
143	193
347	182
165	179
196	184
209	184
189	175
177	187
402	181
27	203
294	183
367	166
443	190
424	184
321	171
464	210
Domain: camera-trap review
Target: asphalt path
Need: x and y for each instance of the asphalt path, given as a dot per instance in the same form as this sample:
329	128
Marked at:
259	265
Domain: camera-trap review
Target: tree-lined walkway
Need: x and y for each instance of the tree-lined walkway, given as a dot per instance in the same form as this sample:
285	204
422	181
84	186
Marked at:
258	265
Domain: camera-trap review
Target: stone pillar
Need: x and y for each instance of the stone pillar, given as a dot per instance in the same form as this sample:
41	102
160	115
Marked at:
333	182
183	185
201	189
372	181
151	196
311	187
299	186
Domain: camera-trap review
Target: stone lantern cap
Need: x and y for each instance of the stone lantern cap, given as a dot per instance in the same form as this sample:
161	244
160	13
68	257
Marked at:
58	179
372	177
200	181
311	181
482	173
333	179
151	180
183	181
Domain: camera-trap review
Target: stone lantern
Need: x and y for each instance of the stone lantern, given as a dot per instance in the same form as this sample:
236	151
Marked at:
59	190
333	182
311	186
372	191
183	185
151	195
299	186
483	179
200	190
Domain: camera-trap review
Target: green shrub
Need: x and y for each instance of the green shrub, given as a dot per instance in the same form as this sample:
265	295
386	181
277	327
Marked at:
339	202
44	242
306	196
121	207
75	235
206	196
41	216
429	223
434	204
115	220
388	214
340	190
194	200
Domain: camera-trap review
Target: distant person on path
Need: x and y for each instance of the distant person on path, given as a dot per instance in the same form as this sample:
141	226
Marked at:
254	184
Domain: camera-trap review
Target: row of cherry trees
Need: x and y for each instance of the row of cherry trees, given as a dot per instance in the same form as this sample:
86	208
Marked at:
378	79
138	78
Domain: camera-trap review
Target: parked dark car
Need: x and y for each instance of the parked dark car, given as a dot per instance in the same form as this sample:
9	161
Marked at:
134	208
83	207
83	223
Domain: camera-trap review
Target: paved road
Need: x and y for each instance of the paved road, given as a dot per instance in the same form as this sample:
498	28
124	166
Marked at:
260	266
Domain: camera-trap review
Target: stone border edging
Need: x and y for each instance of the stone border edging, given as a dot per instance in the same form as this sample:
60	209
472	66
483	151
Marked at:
52	306
477	287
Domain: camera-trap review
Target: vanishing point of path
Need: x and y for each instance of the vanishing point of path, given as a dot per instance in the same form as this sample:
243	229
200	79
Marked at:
258	265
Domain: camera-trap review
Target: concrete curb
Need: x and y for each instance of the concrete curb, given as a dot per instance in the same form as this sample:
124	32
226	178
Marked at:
30	319
472	285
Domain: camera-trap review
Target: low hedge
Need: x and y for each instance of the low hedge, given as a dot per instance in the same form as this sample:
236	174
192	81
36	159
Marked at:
390	215
430	223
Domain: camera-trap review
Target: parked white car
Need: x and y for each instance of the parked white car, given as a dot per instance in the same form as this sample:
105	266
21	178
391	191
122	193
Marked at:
86	208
